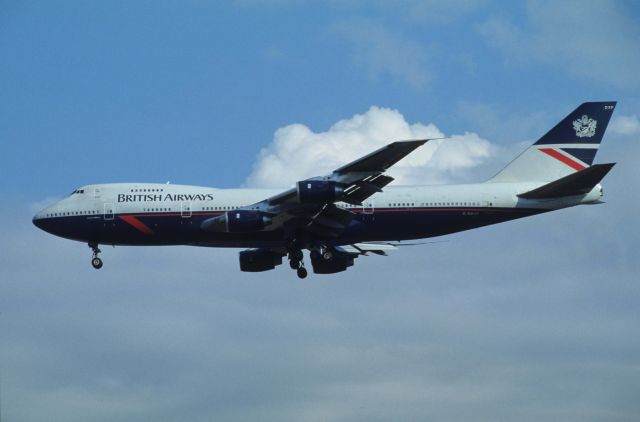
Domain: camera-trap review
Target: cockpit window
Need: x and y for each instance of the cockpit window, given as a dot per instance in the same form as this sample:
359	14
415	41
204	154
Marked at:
77	191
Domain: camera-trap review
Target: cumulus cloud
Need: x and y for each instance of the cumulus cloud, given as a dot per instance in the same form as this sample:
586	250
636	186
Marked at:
297	152
595	40
383	52
626	125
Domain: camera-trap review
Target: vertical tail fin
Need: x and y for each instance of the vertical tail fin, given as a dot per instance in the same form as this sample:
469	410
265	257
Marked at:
569	147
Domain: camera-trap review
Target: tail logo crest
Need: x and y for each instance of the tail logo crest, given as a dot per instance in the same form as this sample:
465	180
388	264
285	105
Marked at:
585	127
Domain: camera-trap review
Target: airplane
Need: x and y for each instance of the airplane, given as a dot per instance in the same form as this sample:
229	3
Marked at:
341	216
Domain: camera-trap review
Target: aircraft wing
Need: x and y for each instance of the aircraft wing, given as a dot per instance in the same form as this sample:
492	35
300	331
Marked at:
312	204
362	177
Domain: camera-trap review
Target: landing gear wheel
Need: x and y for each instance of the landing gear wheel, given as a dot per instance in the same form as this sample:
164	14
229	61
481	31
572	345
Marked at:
95	261
296	255
327	255
294	264
302	272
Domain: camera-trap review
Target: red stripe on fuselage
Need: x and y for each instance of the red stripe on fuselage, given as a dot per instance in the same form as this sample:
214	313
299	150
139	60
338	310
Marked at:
563	158
136	223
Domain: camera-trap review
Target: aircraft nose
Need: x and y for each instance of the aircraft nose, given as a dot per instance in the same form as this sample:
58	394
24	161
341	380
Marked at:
41	221
37	220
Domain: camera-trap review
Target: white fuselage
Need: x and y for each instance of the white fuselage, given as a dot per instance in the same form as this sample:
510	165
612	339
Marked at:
150	198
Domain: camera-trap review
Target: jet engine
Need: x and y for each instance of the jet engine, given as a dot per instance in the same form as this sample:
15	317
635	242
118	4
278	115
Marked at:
335	264
318	191
254	260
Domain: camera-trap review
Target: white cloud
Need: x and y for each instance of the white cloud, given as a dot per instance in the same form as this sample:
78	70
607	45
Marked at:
626	125
297	152
383	52
596	40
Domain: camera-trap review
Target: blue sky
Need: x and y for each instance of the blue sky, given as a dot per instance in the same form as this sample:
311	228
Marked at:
115	89
535	319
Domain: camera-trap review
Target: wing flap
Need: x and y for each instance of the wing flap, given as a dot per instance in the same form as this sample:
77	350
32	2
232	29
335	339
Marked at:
365	248
360	191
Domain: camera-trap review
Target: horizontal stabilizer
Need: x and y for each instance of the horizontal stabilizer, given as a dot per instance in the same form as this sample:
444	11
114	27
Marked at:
578	183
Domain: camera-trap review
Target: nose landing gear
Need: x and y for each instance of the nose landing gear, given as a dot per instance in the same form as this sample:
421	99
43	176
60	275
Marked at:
96	262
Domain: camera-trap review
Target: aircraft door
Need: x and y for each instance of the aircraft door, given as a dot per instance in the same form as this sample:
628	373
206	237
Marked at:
367	206
108	211
367	209
185	209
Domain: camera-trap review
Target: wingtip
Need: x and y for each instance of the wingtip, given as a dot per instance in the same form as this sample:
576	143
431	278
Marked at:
417	142
608	166
409	141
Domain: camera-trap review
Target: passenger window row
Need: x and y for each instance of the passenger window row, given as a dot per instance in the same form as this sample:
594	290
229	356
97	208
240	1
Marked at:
436	204
71	213
218	208
146	190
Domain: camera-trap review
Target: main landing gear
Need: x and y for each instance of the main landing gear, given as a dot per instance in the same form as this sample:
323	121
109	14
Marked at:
317	253
295	262
96	262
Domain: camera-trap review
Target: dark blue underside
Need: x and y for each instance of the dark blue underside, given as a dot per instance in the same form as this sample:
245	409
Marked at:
586	155
173	229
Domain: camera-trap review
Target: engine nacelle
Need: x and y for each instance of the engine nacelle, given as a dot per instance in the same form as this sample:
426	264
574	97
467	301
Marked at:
336	264
246	221
318	191
254	260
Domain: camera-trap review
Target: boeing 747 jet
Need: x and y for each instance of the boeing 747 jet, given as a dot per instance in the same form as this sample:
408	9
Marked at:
338	217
